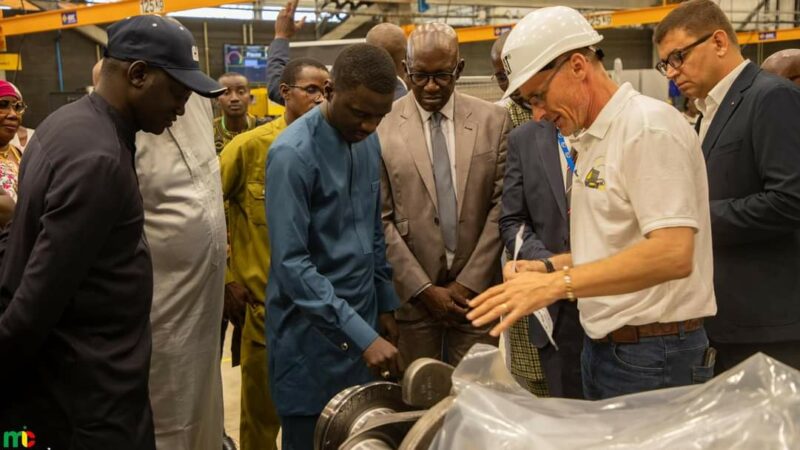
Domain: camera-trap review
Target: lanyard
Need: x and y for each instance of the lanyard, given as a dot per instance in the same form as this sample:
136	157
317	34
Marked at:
565	151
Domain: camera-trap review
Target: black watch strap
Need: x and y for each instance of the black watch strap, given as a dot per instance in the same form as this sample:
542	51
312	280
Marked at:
548	265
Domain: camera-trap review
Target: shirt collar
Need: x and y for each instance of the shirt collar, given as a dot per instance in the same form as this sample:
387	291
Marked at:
125	128
610	111
447	110
720	90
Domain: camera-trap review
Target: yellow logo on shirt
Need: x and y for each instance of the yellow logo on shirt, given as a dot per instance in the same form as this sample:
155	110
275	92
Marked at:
595	178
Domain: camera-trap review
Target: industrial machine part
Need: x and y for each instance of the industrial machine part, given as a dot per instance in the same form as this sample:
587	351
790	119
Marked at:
383	432
348	412
383	415
426	382
421	435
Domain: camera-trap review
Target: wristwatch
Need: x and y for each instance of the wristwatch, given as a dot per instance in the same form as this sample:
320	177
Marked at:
548	265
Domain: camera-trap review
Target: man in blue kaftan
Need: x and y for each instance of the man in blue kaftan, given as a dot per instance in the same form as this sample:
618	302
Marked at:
330	285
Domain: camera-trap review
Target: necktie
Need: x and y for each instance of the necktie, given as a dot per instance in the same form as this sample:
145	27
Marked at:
445	194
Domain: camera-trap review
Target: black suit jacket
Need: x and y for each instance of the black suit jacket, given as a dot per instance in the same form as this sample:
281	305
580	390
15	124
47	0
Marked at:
752	152
533	194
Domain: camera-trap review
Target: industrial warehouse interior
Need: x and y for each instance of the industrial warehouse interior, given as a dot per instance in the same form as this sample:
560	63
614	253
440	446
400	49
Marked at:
399	224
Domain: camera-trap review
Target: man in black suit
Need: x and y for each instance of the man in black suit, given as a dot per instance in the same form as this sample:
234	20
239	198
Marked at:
534	196
751	144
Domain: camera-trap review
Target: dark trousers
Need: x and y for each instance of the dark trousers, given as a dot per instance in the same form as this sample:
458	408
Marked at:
611	369
431	338
731	354
297	432
562	367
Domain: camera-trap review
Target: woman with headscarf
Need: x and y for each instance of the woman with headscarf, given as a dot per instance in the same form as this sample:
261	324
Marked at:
11	109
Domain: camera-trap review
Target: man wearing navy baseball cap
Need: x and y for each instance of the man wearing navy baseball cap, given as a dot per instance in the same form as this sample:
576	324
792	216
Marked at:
163	43
76	285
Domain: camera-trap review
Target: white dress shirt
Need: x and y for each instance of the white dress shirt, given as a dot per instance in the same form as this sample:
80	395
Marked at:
708	106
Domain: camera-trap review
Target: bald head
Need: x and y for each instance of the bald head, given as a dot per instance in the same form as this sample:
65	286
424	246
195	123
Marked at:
391	38
433	64
497	49
433	37
785	63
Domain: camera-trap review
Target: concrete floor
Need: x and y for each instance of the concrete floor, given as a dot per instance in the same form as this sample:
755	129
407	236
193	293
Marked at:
231	390
231	393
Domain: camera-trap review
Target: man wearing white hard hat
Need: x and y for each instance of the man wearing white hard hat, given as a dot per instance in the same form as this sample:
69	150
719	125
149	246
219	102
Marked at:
640	230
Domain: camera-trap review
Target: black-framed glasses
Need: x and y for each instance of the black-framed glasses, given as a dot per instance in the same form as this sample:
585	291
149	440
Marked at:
676	57
537	99
6	106
421	79
311	89
500	77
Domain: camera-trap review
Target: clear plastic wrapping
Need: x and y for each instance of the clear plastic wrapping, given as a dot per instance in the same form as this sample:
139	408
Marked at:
755	405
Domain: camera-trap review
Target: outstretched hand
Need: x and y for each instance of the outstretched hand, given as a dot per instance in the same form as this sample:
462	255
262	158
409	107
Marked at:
521	295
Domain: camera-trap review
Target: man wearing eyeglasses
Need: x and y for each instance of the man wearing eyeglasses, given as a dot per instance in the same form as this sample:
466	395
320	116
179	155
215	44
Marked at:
387	36
242	164
751	145
640	261
443	160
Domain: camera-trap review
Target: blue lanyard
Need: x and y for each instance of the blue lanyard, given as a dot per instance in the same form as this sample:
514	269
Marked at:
567	156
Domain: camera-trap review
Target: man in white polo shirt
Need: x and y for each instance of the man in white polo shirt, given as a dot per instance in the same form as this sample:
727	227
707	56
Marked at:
640	230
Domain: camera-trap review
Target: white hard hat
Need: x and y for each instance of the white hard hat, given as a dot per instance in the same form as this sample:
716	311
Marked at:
541	37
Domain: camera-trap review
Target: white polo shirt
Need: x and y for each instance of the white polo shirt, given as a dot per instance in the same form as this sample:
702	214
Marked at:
640	168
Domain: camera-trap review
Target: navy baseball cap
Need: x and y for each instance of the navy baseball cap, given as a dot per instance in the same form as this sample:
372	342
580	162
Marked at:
162	43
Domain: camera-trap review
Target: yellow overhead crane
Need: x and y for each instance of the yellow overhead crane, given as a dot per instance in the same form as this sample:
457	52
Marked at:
100	13
111	12
622	18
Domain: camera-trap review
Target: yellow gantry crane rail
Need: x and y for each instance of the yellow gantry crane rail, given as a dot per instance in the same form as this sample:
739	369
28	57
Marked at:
100	13
111	12
629	17
761	37
611	19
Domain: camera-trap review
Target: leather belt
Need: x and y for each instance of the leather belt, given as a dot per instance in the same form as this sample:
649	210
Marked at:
630	334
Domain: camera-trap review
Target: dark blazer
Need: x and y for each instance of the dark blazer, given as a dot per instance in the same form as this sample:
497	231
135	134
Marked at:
752	152
277	60
533	194
399	89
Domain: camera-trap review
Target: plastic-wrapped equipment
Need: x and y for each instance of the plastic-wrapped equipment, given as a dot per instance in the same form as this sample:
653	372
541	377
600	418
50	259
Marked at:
755	405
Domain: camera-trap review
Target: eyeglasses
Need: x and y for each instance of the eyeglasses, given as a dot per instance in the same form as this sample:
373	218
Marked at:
421	79
676	57
7	105
537	99
311	89
500	77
